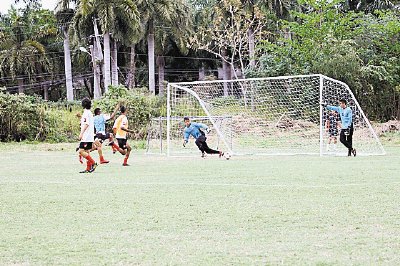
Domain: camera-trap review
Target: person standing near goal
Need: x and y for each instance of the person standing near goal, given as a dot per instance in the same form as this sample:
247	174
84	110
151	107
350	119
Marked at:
332	127
87	136
194	129
120	130
346	118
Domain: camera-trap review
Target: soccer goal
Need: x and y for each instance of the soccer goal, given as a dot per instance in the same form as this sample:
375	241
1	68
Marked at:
271	116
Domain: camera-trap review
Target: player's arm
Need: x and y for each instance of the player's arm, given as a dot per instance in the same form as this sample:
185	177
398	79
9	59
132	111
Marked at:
185	138
203	126
127	130
334	108
115	111
84	128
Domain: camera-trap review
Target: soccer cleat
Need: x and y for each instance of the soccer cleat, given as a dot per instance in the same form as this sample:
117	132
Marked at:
125	164
84	171
349	152
94	166
104	161
221	154
354	152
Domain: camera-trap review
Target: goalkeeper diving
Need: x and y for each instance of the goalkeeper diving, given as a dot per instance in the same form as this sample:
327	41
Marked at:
195	130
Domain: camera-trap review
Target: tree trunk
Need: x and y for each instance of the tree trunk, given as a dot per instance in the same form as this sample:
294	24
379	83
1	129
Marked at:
150	43
114	63
130	82
107	57
202	73
96	72
225	71
68	66
20	85
161	74
46	92
252	54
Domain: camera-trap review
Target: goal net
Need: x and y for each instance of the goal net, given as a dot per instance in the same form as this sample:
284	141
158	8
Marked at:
278	115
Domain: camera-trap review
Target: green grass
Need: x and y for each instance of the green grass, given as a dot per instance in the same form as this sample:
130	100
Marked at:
249	210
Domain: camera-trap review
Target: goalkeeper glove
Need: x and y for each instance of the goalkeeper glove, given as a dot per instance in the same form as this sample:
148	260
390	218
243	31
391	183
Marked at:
184	143
208	130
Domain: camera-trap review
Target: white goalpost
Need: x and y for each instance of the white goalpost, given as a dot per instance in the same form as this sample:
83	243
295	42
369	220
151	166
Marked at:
271	116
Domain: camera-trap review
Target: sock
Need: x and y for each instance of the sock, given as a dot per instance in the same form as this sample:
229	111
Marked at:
115	147
88	165
90	159
102	158
334	146
80	158
126	160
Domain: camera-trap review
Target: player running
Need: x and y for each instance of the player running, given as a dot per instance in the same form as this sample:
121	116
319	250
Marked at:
194	129
100	127
86	136
120	129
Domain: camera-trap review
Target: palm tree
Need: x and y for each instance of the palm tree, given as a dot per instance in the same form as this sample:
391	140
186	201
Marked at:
64	16
168	15
21	55
111	15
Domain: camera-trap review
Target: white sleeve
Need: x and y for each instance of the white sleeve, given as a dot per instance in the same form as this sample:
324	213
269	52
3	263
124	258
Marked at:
106	117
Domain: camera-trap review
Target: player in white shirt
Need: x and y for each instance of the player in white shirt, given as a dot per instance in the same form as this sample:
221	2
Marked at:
87	136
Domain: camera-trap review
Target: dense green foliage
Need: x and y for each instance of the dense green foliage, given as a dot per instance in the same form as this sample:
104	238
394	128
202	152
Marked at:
29	117
359	49
141	107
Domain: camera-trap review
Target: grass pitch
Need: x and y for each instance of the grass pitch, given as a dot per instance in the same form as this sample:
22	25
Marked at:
248	210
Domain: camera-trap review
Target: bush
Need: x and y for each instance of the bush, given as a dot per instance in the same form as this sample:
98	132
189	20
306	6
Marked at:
141	105
29	117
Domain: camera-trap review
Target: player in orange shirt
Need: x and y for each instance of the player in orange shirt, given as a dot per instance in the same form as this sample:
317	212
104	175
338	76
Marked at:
120	129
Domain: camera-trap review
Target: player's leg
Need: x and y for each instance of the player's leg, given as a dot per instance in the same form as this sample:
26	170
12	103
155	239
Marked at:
84	151
80	158
335	142
208	150
345	141
199	144
111	142
120	147
99	144
128	152
350	139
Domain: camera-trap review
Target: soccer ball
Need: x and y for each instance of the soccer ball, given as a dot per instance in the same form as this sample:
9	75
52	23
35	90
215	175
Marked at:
227	156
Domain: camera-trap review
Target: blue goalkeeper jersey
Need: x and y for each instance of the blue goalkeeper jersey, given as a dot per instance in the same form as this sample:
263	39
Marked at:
346	115
194	130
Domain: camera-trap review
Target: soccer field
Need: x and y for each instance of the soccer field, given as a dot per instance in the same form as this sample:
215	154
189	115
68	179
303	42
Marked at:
248	210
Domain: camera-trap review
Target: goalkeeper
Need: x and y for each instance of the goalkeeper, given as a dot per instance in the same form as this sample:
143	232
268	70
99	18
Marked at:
346	118
194	129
